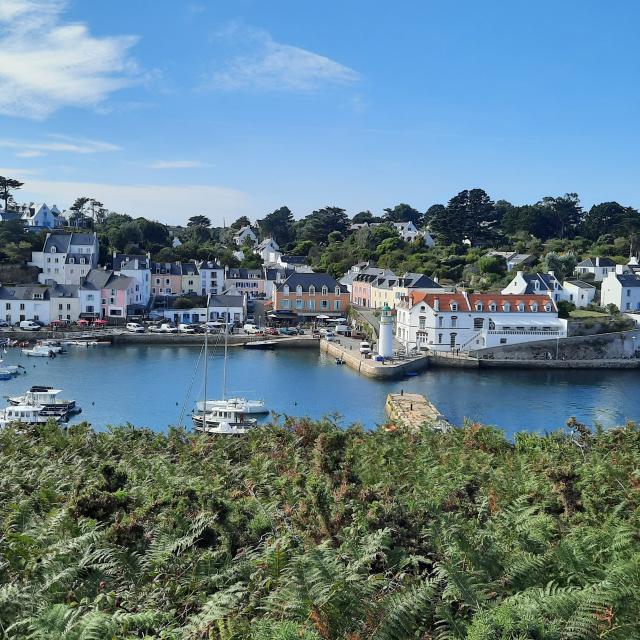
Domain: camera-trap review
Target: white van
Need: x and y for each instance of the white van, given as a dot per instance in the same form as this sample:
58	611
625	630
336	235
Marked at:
29	325
365	347
250	328
134	327
186	328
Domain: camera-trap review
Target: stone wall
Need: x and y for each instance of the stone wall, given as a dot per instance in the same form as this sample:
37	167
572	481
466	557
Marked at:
605	346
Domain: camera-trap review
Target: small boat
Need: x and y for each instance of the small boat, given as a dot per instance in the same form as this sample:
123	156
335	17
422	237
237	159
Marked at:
54	345
39	351
5	375
223	421
27	414
339	361
12	369
47	398
242	405
261	344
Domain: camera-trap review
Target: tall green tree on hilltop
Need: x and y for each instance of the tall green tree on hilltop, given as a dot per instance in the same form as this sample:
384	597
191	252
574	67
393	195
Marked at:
199	221
403	213
318	225
7	185
610	217
241	222
469	215
278	225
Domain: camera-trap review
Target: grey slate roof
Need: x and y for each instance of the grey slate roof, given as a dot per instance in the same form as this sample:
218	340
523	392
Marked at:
24	292
167	268
628	280
580	284
64	241
306	280
97	279
294	259
545	280
127	261
418	281
244	274
64	291
591	262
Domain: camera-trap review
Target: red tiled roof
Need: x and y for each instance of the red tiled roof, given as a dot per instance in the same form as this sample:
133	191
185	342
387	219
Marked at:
468	302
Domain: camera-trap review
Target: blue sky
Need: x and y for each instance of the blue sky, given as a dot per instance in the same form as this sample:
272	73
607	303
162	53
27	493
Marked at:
168	109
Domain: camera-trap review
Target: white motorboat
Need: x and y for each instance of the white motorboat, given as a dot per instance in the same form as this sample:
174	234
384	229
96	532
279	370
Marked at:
39	351
223	421
53	345
9	368
226	416
27	414
248	407
47	398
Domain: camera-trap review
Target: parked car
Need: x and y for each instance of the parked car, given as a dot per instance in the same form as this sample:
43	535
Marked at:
185	328
251	328
4	324
271	331
156	315
365	347
165	327
328	335
343	329
134	327
29	325
287	331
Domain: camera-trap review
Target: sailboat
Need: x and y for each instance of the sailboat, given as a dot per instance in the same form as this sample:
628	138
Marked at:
223	416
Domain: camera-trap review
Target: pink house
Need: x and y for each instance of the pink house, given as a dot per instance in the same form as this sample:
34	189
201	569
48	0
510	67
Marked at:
361	285
107	295
166	278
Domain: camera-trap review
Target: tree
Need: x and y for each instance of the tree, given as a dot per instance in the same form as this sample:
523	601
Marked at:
278	225
561	265
403	213
431	212
153	232
363	216
241	222
318	225
126	234
468	215
532	220
610	217
7	185
567	213
492	264
199	221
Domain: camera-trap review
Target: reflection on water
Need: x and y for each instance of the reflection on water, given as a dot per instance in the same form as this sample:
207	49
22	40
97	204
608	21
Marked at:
148	386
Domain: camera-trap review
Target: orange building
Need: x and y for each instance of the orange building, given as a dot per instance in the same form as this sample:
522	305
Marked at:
308	295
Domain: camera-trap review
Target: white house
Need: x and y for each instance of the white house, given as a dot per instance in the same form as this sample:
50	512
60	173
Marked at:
138	268
582	294
467	322
66	258
621	290
175	243
36	216
513	259
268	250
211	277
599	268
528	283
64	303
229	308
25	302
246	233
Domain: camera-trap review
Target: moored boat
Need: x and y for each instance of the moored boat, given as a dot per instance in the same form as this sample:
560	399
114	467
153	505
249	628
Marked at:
248	407
27	414
223	421
47	398
39	351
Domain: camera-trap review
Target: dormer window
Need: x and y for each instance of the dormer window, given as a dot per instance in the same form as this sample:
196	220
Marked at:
520	306
52	250
506	307
454	306
285	289
325	290
492	306
299	290
72	260
534	307
312	290
337	290
547	307
478	306
536	285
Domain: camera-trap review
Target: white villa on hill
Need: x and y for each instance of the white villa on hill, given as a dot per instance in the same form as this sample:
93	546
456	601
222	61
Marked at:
66	258
622	290
467	322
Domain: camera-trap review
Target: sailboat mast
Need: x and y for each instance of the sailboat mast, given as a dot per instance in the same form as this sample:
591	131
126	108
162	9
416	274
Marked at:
206	362
224	369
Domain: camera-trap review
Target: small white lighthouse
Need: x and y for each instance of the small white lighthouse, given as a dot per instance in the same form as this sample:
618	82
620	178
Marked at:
385	341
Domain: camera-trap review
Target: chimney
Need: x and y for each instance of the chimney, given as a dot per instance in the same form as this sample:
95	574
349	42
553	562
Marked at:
598	261
552	273
436	304
520	274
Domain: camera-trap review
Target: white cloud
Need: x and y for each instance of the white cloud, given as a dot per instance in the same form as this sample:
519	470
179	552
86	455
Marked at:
177	164
172	204
46	64
18	174
57	143
265	64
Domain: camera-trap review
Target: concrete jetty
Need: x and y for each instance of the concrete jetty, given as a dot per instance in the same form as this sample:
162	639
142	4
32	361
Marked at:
412	410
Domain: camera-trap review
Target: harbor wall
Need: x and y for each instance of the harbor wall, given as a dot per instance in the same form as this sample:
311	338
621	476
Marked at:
372	368
601	347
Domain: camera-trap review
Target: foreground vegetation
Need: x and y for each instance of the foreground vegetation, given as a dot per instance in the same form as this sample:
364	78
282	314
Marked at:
309	531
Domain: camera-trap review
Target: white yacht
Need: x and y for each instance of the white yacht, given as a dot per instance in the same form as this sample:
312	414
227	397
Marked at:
11	369
47	399
39	351
25	413
223	421
248	407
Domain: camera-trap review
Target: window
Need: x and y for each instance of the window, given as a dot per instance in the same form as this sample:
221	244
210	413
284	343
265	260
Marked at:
72	260
422	322
439	338
337	291
325	290
478	306
547	307
299	290
312	290
22	307
454	306
311	304
285	304
478	323
285	289
506	307
8	306
440	321
60	307
520	306
534	306
492	306
299	303
324	304
336	305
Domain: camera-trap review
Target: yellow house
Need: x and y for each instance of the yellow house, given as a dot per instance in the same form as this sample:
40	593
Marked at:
190	279
382	291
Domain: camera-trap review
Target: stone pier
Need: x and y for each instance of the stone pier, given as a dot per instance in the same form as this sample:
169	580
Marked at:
412	410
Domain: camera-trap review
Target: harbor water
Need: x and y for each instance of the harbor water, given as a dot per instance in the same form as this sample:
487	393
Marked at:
156	386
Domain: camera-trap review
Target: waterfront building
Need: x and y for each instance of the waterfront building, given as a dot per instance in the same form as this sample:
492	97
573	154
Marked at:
466	322
414	282
362	283
137	267
166	278
382	291
35	216
66	258
222	308
25	302
514	259
597	267
528	283
273	277
245	234
308	295
190	278
241	281
106	294
64	303
580	293
353	271
621	290
211	277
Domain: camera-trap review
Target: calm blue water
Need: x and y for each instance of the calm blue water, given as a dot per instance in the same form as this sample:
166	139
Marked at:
147	386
